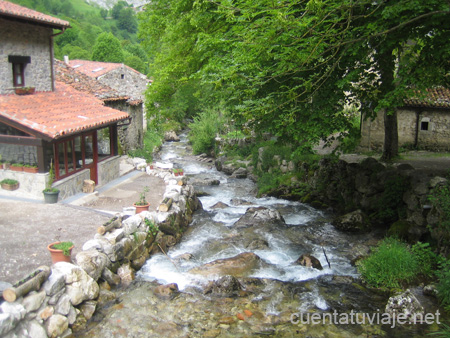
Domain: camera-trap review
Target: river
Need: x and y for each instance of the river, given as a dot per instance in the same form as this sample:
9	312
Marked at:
275	298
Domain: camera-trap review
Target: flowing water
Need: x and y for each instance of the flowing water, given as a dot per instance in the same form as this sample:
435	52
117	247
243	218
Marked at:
273	294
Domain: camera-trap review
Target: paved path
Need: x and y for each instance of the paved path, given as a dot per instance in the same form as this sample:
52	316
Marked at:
27	226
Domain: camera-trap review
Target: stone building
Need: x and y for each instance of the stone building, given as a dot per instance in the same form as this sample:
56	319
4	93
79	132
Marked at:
131	135
127	82
54	123
423	123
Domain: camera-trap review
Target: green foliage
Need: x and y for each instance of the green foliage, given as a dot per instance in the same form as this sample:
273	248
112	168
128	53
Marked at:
351	138
152	227
107	48
152	140
443	286
440	199
142	199
9	181
443	332
390	265
204	129
286	67
136	63
390	206
427	260
64	246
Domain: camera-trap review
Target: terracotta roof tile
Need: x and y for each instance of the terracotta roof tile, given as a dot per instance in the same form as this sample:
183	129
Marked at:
12	10
95	68
437	97
84	83
62	112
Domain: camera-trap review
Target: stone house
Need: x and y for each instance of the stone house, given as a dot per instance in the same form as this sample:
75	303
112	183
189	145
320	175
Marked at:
54	123
123	79
131	135
423	123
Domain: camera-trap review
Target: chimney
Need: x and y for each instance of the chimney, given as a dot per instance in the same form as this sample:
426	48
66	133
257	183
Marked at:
66	59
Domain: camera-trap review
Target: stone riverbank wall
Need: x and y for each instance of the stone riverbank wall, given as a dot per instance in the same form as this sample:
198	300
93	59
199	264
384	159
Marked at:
65	297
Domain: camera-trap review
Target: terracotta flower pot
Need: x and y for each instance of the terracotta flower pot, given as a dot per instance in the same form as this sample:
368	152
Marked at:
30	170
10	187
58	255
14	168
141	208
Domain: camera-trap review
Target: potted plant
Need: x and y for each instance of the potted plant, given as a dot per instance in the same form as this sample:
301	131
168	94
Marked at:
30	168
9	184
1	162
16	167
50	194
24	90
175	172
60	251
142	204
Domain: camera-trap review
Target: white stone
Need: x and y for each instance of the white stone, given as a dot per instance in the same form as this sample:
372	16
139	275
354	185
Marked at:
114	236
131	224
36	330
93	262
33	301
54	283
57	325
92	244
63	305
88	309
173	195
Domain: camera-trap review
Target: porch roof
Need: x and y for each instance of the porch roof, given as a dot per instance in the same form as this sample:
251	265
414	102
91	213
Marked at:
52	115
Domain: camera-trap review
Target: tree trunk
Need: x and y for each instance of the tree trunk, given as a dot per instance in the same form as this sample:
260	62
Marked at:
390	148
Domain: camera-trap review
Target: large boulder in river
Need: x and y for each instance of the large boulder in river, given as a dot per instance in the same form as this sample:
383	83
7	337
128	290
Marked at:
224	286
406	304
259	215
355	221
236	266
171	136
309	261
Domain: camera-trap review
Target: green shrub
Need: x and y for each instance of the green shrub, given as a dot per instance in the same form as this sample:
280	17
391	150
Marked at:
440	199
390	265
152	139
9	181
427	260
443	286
204	129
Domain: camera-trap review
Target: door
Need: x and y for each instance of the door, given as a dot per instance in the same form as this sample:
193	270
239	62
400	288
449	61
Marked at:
91	154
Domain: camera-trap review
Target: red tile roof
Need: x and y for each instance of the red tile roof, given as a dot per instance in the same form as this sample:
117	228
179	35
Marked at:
55	114
8	9
84	83
96	68
437	97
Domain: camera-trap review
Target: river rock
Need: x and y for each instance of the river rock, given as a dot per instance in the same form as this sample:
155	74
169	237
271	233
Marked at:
239	173
126	274
79	285
309	261
57	325
236	266
205	182
220	205
10	315
92	261
356	221
228	169
168	291
257	244
224	286
171	136
259	215
405	303
238	201
34	300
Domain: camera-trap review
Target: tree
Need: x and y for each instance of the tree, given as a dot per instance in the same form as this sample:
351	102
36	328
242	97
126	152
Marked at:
127	20
107	48
287	66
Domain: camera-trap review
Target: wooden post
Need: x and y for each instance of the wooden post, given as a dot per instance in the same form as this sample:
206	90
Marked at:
32	283
165	204
113	224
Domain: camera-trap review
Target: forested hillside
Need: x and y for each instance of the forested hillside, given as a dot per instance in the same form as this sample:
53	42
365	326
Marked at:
97	33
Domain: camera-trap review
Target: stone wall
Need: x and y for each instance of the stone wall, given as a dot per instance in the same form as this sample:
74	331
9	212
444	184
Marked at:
25	40
30	184
130	137
69	296
425	129
108	170
126	81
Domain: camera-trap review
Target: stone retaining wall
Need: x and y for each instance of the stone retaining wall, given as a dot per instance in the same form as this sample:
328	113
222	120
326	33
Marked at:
68	298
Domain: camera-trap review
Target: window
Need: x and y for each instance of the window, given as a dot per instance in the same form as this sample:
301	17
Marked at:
18	75
424	125
18	69
122	76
